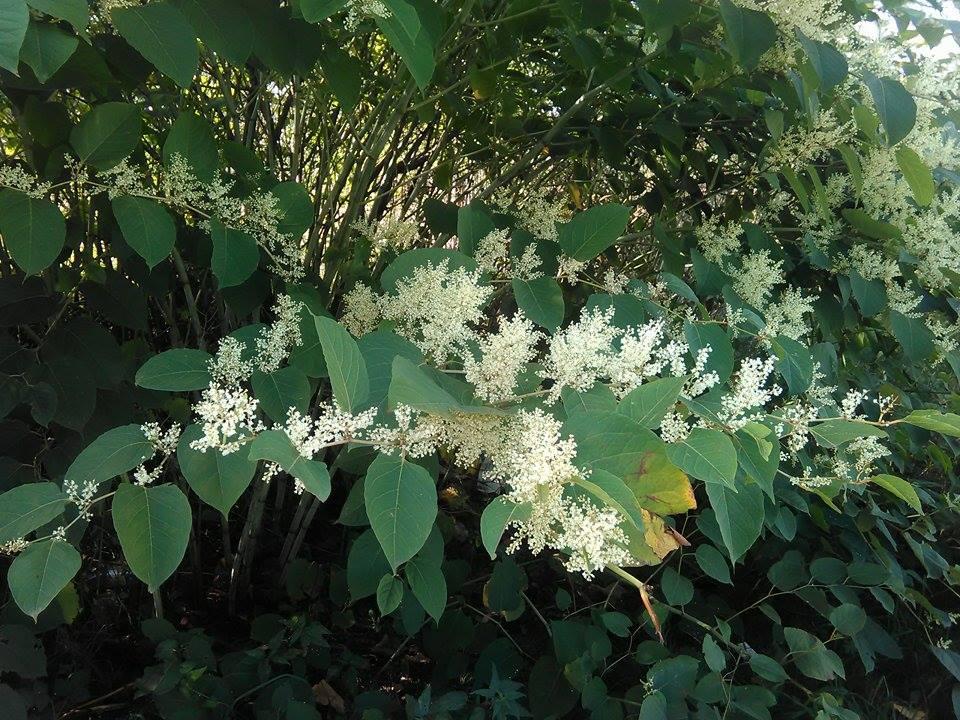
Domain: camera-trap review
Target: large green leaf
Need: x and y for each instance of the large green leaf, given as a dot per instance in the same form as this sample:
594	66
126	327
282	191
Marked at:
366	565
33	230
541	300
794	363
348	372
163	35
379	350
409	261
235	254
917	174
153	526
891	483
591	232
75	12
46	48
39	573
406	33
649	403
191	137
222	25
177	370
895	106
411	385
401	502
115	452
739	514
219	480
275	446
941	422
473	224
318	10
281	390
147	227
706	454
750	33
828	63
107	134
25	508
916	339
494	520
14	19
609	441
428	585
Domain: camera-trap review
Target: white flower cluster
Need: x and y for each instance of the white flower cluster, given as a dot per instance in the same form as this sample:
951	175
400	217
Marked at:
749	393
593	349
81	495
569	269
435	308
164	443
13	547
278	339
493	256
389	233
360	9
16	178
361	310
503	356
538	214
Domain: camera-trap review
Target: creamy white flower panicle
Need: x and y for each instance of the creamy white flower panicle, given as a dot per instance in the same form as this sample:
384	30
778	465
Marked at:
569	269
16	178
228	366
749	392
435	308
361	310
389	233
228	418
277	340
581	353
493	250
503	356
592	536
410	436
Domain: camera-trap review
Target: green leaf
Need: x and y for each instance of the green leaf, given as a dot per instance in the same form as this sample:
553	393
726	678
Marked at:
407	35
712	562
869	226
222	25
916	339
707	455
25	508
895	106
794	363
411	385
494	520
33	230
275	446
713	655
75	12
115	452
366	566
701	335
235	254
677	590
835	433
217	479
281	390
811	656
147	227
828	63
153	526
609	441
295	207
106	134
379	350
176	370
14	19
649	403
739	515
591	232
318	10
473	224
848	618
348	372
917	174
768	668
541	300
401	502
389	594
39	573
163	35
871	295
409	261
900	488
428	584
943	423
191	137
614	493
750	33
46	48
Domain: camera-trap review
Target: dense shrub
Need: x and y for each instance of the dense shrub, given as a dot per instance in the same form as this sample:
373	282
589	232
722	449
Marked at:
479	359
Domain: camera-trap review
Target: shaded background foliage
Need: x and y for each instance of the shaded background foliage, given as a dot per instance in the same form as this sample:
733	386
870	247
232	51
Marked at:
266	617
